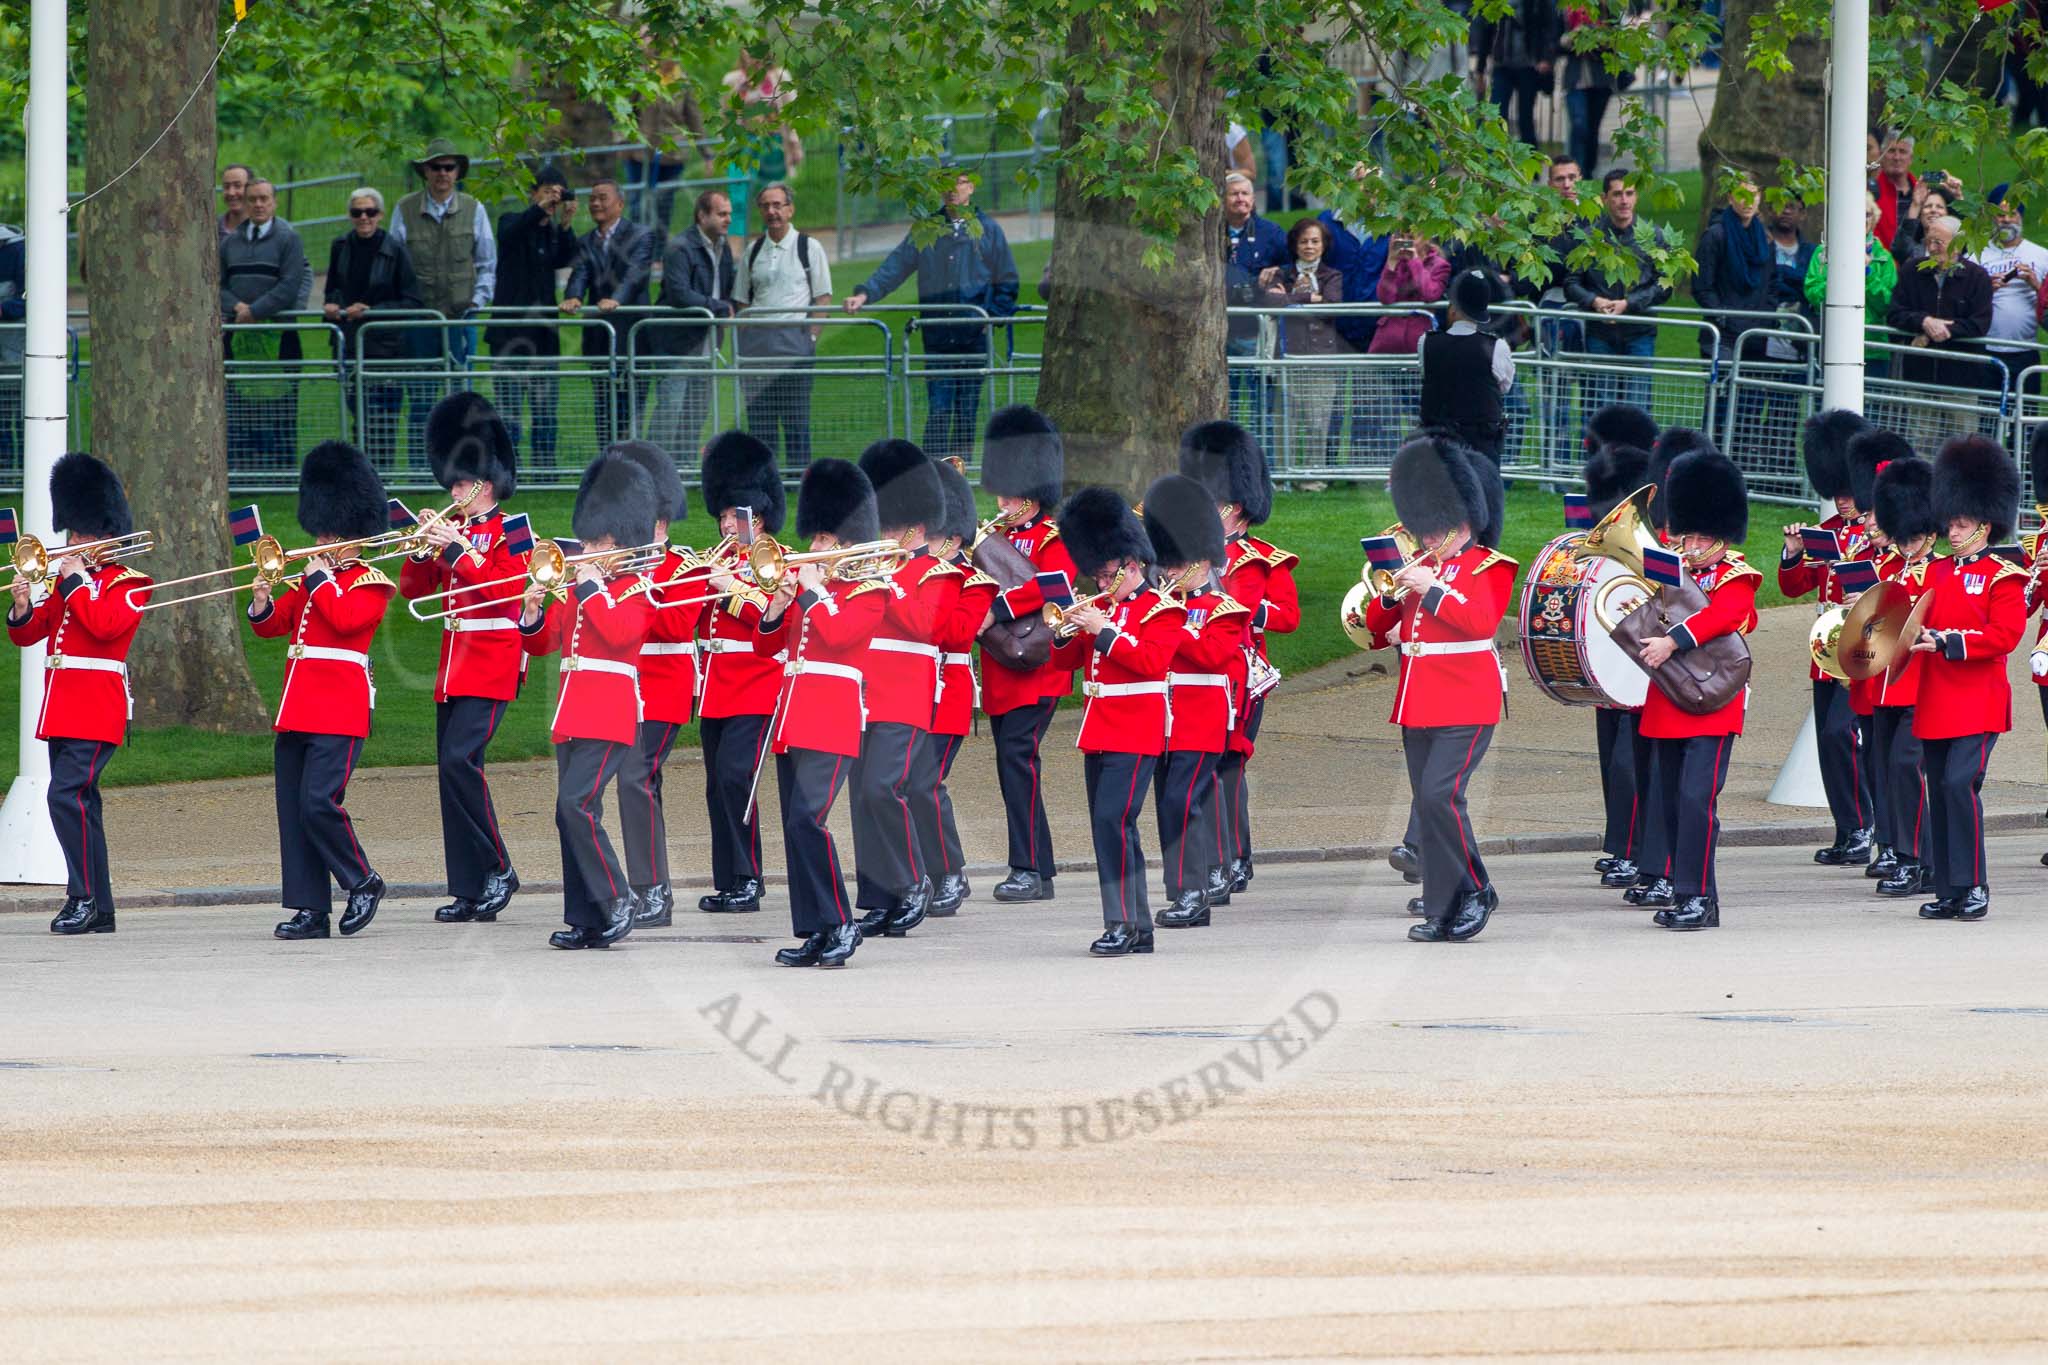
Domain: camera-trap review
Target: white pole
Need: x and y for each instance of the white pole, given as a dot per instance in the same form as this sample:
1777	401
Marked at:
1841	344
28	846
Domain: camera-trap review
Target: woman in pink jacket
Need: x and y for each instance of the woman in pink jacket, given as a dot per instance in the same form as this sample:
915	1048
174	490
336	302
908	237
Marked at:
1416	273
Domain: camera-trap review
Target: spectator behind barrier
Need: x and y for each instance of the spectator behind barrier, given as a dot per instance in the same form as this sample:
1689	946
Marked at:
1934	196
696	273
1358	256
1521	49
1893	184
614	265
368	269
1737	271
1306	281
534	243
1417	273
2016	268
13	312
234	185
1595	291
780	275
1943	303
262	265
1880	278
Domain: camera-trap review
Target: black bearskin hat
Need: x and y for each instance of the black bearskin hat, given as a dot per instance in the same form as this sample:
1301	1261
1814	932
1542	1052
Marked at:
1225	459
1826	445
1707	496
1614	471
1621	424
738	470
961	519
615	502
1097	525
1437	485
671	501
466	439
2037	464
1672	442
836	499
340	494
1181	522
906	481
1903	500
1975	480
86	498
1867	450
1022	456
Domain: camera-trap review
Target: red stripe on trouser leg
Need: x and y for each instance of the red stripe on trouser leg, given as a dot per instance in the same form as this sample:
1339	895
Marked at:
1713	814
1977	813
590	814
1123	857
832	853
1464	824
490	809
84	837
1037	739
909	833
1187	813
341	795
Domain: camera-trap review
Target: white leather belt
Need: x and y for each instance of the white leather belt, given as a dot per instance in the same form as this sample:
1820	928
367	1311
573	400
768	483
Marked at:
890	645
579	663
830	670
716	646
1136	689
458	625
1197	680
964	660
666	647
86	662
1418	648
337	656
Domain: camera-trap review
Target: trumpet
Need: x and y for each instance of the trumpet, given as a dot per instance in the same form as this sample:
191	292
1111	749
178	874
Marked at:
1381	581
770	562
413	541
549	569
271	562
1058	617
32	558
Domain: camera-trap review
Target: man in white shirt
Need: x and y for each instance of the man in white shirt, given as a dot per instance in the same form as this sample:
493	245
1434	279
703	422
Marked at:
2016	267
782	273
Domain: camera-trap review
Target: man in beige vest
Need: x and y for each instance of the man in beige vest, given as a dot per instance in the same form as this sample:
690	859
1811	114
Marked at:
448	235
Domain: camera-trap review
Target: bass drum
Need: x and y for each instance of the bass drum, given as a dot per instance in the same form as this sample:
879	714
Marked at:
1568	608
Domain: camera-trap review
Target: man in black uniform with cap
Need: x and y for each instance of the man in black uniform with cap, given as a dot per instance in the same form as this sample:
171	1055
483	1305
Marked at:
1466	371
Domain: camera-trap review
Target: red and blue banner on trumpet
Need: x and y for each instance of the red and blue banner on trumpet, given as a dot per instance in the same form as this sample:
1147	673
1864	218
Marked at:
245	524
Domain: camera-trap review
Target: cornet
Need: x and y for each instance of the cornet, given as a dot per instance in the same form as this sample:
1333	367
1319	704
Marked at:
1381	581
32	558
1059	617
549	569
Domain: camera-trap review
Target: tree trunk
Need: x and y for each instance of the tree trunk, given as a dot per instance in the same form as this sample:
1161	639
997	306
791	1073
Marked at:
154	287
1757	121
1134	356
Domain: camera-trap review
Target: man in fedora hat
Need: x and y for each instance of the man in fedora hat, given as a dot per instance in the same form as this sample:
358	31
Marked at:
448	235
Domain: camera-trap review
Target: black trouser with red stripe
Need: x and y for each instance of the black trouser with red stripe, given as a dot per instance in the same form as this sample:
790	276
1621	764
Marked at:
1955	814
1184	799
809	782
316	840
75	768
732	746
1691	773
470	844
938	838
1234	805
1844	775
1441	761
591	871
1652	846
885	854
1116	797
1614	733
1898	756
1017	735
642	825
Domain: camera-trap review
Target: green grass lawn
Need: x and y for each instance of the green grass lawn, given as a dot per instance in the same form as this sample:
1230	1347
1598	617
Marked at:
1323	527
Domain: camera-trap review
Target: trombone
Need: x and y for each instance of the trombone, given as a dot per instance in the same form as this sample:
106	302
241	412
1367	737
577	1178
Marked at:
549	569
270	562
411	540
32	558
769	562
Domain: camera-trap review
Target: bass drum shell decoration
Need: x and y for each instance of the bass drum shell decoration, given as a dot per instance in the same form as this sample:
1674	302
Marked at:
1568	609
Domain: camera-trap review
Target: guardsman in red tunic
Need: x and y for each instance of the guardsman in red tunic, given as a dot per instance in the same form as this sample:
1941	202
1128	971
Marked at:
1902	506
1125	637
668	689
598	628
1202	690
1976	615
1618	441
331	614
1023	463
1708	506
898	769
1844	744
88	616
820	626
743	489
1449	603
1224	458
482	664
959	693
2037	563
1868	450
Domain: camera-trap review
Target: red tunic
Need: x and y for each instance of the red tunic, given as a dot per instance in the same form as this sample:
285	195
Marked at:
1730	586
825	638
480	653
960	692
668	660
735	680
332	621
89	623
1798	577
1006	689
1979	612
1450	669
902	664
1203	686
2037	598
1881	689
1127	663
599	631
1261	576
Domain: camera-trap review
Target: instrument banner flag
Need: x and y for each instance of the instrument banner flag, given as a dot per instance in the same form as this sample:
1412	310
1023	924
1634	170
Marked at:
398	516
1054	587
519	534
1820	544
1577	515
1663	566
245	524
1855	575
10	526
569	548
1383	552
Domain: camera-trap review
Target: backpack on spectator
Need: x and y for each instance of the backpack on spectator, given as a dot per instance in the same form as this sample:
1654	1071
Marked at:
803	258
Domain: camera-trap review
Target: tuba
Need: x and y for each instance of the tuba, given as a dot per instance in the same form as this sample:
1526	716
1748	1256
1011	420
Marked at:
1624	533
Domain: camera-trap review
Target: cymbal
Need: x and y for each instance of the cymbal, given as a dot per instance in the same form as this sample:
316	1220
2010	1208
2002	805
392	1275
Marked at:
1872	631
1908	633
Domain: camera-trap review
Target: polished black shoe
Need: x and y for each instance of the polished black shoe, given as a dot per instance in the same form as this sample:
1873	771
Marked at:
71	904
743	899
1218	888
1942	908
1474	908
498	890
1240	874
1621	873
1851	852
1656	891
1698	912
1606	861
1023	885
459	911
1417	906
1120	940
712	903
1431	930
1974	904
947	895
1190	910
83	916
618	919
575	937
657	907
1910	879
1884	864
362	905
871	923
305	924
805	954
839	945
911	912
1406	861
